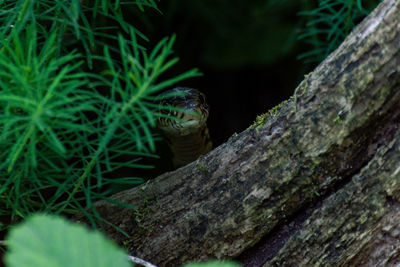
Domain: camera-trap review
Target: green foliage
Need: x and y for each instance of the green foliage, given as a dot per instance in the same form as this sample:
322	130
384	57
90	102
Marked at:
50	241
329	23
67	124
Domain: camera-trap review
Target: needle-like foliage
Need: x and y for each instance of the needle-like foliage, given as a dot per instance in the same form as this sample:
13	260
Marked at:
65	126
329	22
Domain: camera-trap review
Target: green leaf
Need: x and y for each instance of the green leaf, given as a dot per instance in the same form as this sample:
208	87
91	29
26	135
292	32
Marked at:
50	241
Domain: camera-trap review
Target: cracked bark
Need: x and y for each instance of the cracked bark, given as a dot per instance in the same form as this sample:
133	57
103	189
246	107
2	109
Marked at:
330	156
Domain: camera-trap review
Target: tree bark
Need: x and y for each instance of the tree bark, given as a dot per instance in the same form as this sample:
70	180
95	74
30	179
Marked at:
317	181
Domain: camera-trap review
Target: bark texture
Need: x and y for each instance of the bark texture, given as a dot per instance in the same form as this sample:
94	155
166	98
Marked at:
329	156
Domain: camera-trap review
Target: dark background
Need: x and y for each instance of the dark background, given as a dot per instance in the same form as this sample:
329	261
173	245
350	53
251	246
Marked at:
246	51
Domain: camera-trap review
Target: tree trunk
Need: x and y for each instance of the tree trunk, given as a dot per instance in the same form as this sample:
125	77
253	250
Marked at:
316	182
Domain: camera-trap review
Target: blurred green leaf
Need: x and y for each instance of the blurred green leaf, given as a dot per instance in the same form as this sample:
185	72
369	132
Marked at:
50	241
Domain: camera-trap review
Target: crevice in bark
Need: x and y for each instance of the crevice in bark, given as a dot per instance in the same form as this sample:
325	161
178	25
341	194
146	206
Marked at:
387	125
270	244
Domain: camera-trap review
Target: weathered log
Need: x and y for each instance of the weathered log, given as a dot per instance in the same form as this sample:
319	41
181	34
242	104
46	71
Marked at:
336	143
